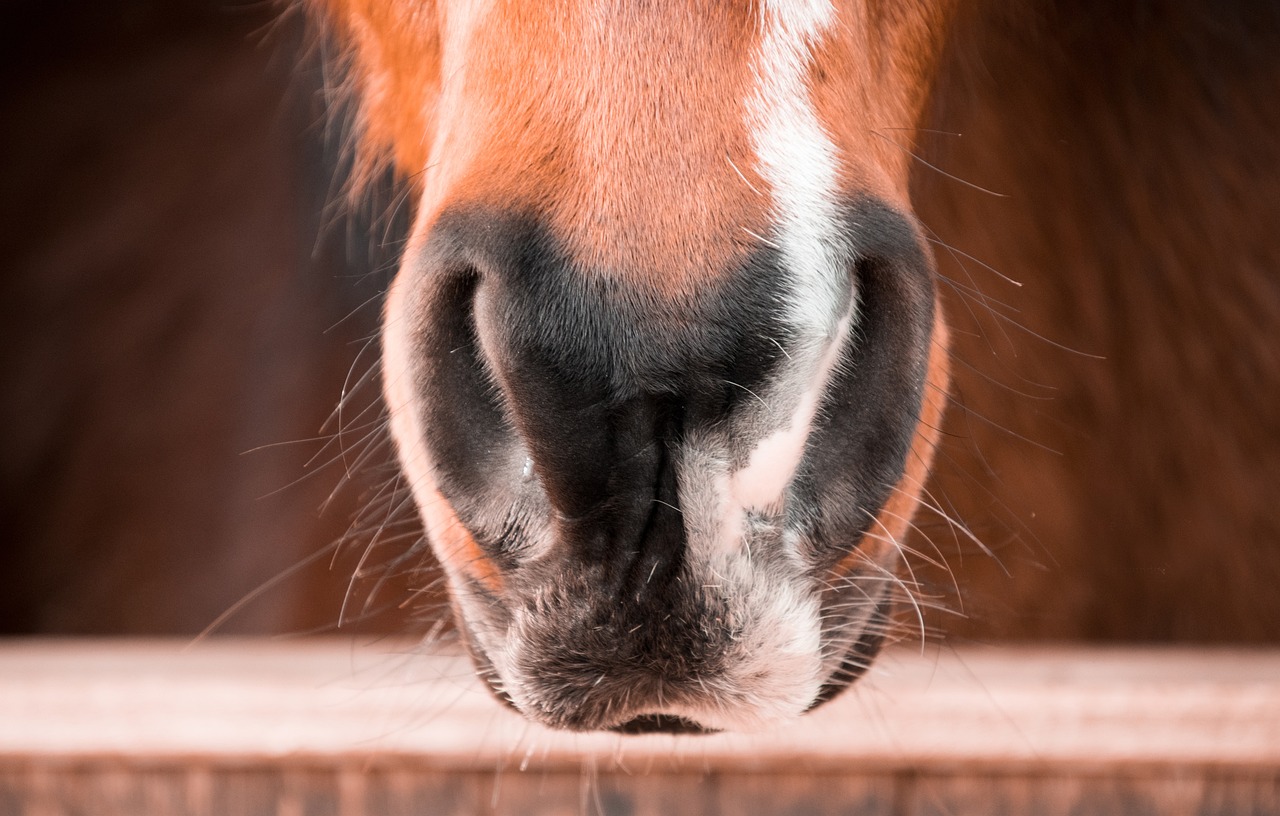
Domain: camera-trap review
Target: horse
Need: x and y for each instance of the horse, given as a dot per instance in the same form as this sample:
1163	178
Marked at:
663	361
666	359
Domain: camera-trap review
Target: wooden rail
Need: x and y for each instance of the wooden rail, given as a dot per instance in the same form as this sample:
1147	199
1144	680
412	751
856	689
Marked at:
326	728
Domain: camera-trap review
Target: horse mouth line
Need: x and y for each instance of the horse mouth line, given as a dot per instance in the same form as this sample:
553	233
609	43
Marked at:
661	724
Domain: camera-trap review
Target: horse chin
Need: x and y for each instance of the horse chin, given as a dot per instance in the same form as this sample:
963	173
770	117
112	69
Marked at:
853	666
575	689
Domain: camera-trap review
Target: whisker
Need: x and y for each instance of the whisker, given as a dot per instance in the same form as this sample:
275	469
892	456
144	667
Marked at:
749	391
939	170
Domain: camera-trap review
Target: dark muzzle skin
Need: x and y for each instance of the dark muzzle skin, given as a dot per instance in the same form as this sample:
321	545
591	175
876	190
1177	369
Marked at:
594	448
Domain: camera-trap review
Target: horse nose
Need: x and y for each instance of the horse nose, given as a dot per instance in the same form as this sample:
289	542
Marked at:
638	489
540	368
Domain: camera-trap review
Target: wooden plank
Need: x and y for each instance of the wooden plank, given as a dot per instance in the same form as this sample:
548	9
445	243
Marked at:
998	708
1176	793
353	791
327	728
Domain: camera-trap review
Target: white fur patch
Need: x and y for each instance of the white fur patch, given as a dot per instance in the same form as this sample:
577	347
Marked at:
778	667
798	161
762	483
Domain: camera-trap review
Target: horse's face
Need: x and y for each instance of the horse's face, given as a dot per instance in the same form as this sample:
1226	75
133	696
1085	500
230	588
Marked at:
662	358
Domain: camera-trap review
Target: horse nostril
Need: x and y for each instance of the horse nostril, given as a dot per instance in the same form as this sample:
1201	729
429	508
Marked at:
467	433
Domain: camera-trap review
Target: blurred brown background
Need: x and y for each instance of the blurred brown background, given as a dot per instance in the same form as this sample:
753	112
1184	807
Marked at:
180	311
183	299
1116	432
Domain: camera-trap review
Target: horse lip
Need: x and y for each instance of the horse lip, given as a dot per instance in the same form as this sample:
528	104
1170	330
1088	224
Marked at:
661	724
855	663
655	723
857	658
483	665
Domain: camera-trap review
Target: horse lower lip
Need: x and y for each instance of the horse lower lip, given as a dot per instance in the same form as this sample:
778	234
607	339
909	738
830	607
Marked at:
661	724
859	656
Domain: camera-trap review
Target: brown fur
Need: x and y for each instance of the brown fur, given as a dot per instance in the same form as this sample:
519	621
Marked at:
513	142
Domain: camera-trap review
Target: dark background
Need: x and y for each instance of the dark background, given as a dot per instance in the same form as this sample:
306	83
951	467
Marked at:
184	300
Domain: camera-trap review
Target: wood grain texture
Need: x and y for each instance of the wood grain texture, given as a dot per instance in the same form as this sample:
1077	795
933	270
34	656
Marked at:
324	727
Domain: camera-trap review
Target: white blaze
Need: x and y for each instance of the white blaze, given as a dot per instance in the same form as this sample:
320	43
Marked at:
762	482
798	161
